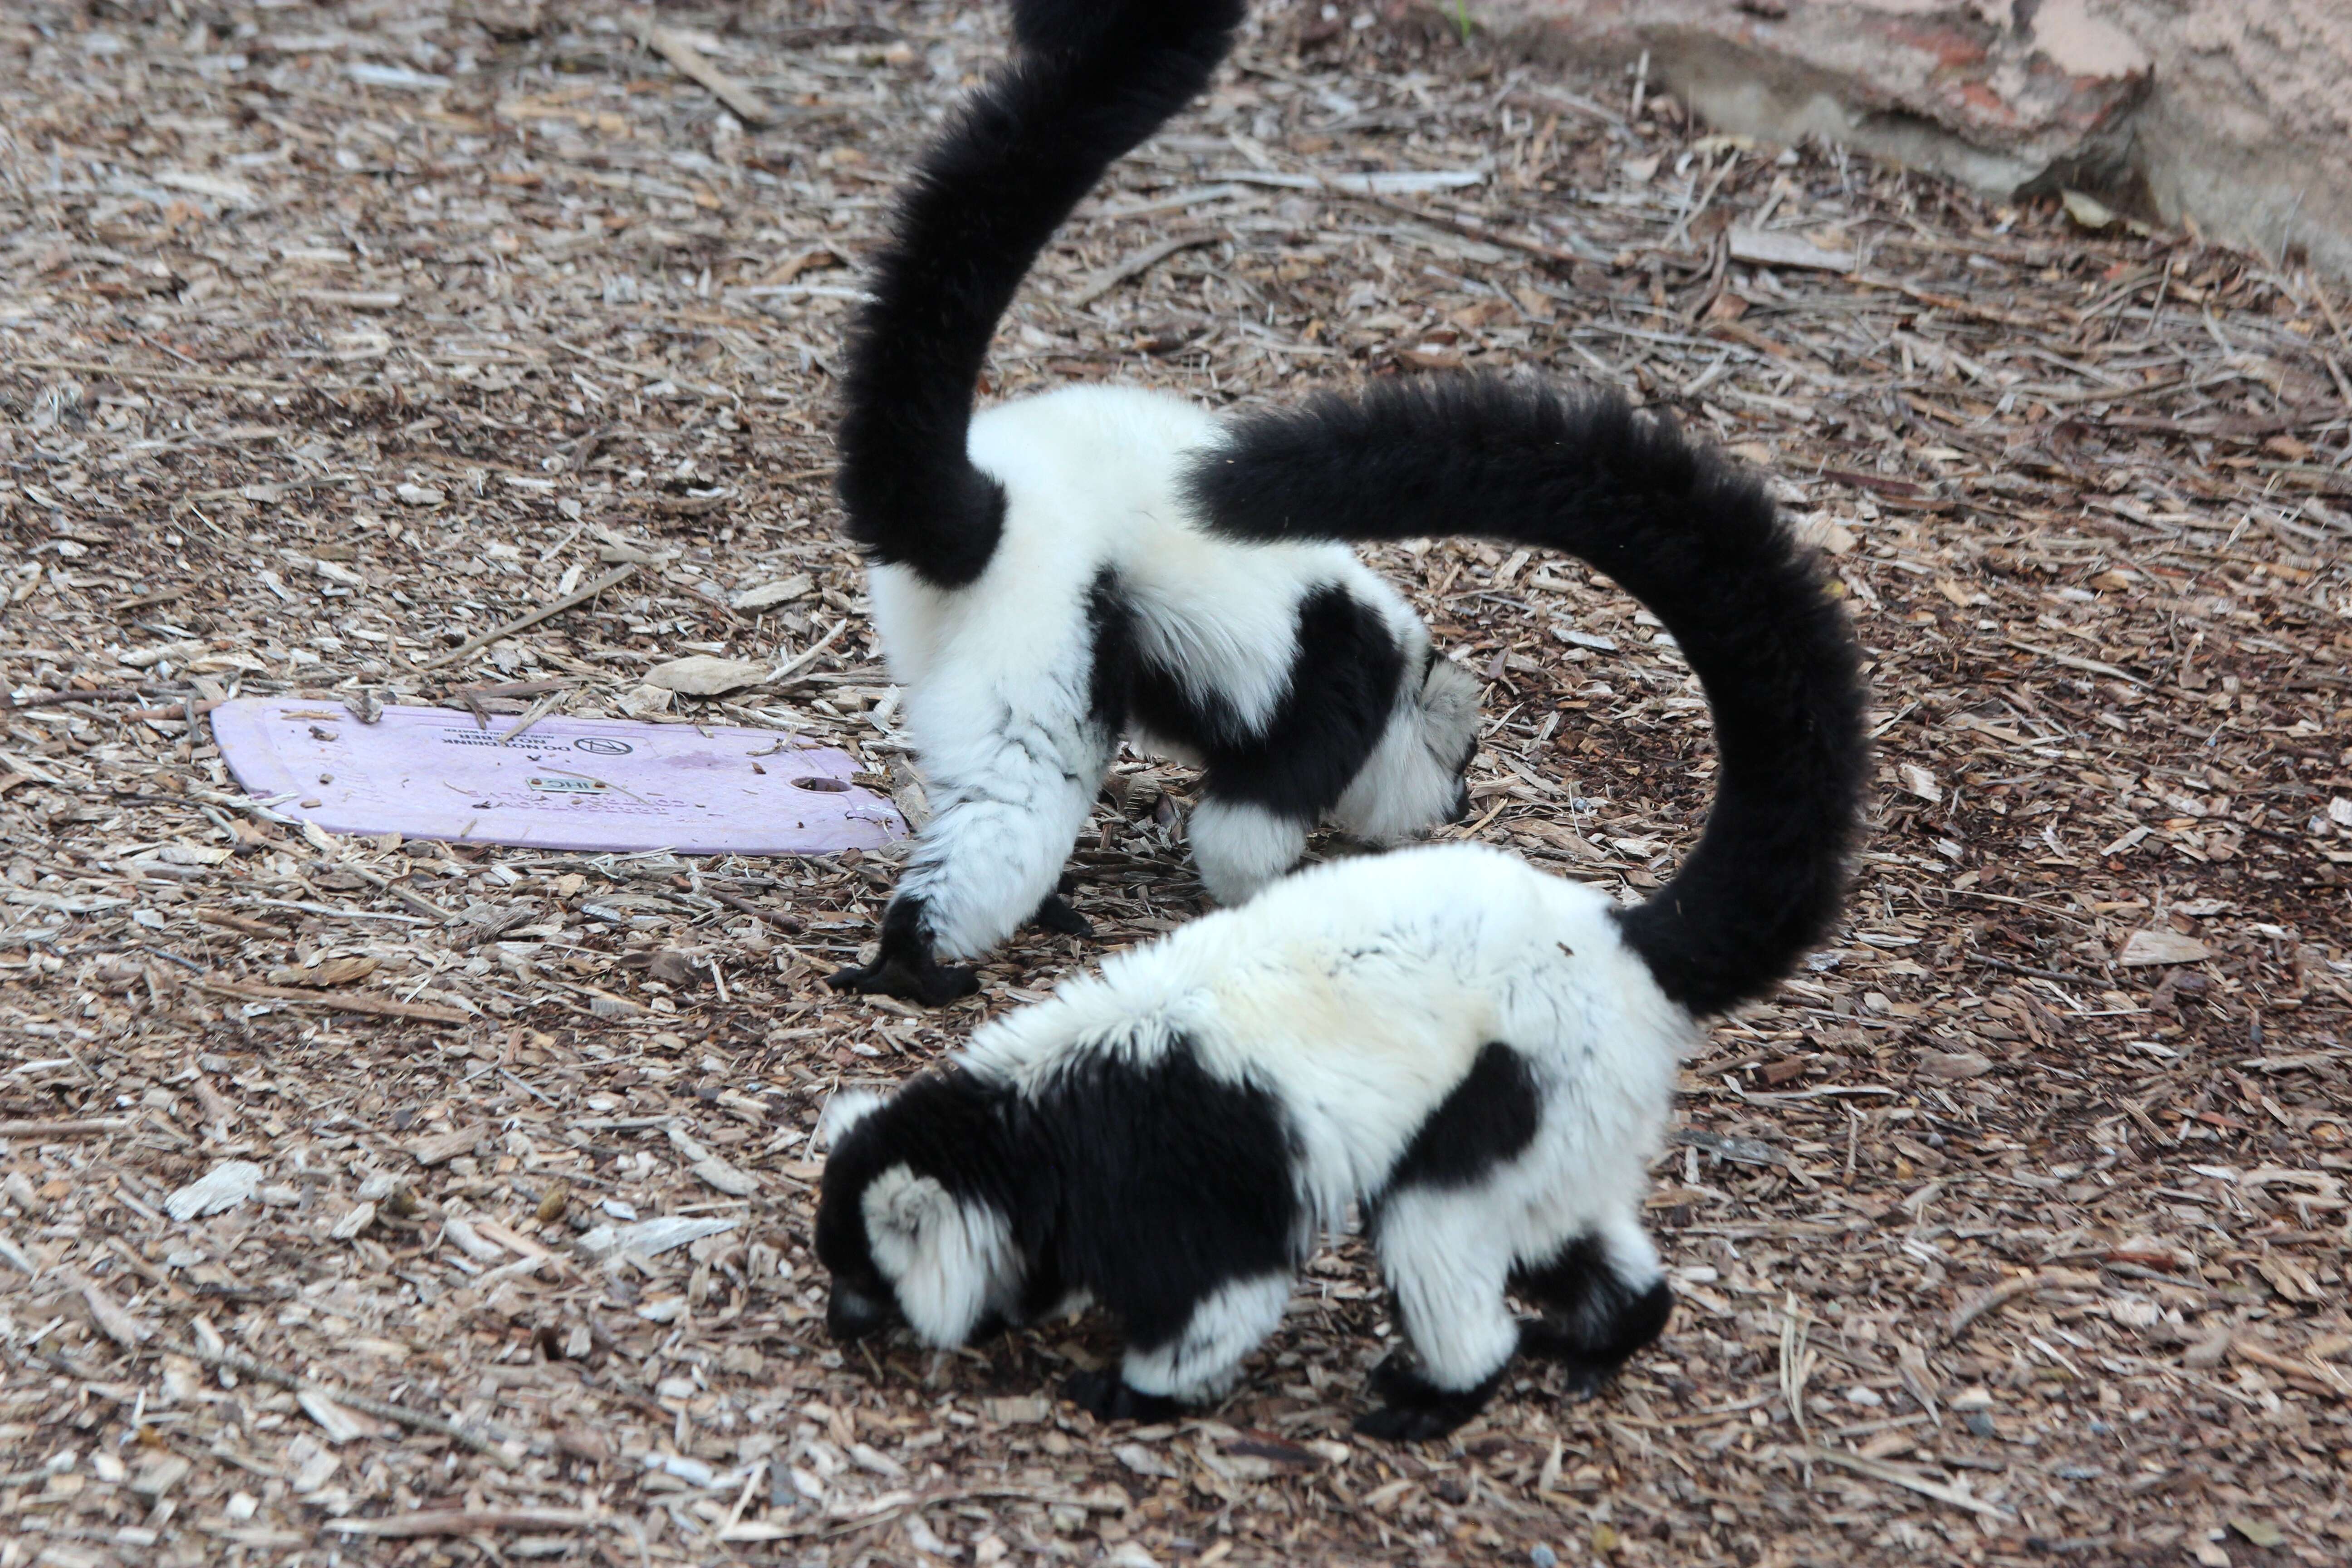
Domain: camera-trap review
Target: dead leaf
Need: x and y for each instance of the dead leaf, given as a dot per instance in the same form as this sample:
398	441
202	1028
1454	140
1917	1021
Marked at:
2287	1277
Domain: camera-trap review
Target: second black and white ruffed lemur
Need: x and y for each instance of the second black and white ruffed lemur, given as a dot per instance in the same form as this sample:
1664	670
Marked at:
1045	582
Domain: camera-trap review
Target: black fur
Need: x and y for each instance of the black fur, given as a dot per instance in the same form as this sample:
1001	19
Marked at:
1488	1121
905	964
948	1125
1110	678
1593	1322
1694	539
1148	1185
1055	915
1091	82
1200	1166
1342	688
1412	1409
1105	1397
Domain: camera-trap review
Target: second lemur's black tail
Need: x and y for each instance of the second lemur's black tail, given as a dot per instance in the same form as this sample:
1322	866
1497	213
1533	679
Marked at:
1695	539
1089	80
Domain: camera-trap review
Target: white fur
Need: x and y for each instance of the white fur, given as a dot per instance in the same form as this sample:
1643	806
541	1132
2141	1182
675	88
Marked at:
996	672
1408	784
949	1261
1239	848
844	1110
1358	994
1203	1361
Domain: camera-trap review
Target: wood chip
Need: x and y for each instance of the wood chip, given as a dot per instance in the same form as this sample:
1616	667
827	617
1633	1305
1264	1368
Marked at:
462	1521
676	48
2162	945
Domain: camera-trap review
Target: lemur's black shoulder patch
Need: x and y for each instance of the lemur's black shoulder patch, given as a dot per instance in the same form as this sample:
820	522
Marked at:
1170	1181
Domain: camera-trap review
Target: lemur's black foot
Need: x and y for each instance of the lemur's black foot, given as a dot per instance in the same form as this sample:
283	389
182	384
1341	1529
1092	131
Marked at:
1414	1410
1583	1377
904	968
1105	1397
1605	1326
1055	915
925	980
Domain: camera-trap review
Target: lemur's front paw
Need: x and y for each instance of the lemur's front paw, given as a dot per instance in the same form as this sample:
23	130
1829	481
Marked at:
1105	1397
1414	1410
927	980
1055	915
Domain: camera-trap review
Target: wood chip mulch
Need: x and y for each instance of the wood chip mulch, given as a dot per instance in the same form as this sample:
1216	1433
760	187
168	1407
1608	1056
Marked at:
399	1202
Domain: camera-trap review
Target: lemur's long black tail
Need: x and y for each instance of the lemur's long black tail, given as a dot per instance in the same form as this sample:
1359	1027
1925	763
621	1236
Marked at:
1091	80
1694	539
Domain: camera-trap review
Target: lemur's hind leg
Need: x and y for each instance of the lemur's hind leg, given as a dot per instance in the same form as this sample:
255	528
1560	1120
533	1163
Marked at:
1009	807
1603	1298
1447	1264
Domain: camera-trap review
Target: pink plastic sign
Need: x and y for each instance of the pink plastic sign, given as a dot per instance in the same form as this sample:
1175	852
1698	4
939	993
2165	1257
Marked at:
564	783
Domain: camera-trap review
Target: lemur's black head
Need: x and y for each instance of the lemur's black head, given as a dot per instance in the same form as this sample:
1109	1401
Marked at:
902	1225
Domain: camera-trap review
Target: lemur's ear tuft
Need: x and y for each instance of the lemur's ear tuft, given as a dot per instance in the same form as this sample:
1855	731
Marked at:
846	1110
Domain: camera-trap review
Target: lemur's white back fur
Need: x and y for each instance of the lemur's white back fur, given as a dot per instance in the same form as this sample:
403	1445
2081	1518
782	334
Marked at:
1358	994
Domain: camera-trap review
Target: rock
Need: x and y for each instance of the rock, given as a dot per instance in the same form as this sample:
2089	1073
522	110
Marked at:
2229	114
2089	213
704	675
222	1188
1935	87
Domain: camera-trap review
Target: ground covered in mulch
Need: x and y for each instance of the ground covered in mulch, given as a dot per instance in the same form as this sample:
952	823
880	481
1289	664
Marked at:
334	337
